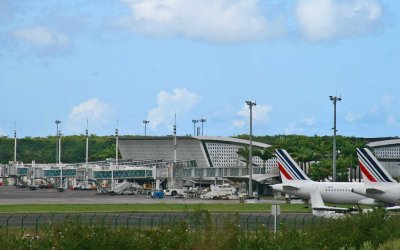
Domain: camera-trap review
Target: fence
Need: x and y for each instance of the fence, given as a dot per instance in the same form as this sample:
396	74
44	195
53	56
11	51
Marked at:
250	223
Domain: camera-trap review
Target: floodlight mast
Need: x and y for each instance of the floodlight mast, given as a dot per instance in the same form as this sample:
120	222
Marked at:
334	99
202	120
87	148
116	158
171	185
15	143
251	104
57	122
194	126
145	122
59	158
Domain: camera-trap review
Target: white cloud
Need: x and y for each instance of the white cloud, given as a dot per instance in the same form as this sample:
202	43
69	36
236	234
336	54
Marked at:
40	35
352	117
308	121
299	127
179	101
97	112
293	129
387	99
239	123
321	20
212	20
3	132
260	112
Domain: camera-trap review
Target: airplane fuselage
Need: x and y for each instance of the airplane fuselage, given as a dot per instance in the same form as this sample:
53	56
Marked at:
385	192
331	192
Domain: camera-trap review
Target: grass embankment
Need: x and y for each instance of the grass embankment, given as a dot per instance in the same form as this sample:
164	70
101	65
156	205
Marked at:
375	230
150	208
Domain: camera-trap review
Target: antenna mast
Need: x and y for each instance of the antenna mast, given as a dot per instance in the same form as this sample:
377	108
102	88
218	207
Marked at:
15	143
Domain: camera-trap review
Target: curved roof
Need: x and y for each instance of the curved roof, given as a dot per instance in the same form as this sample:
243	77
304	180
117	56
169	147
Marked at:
231	140
384	143
201	138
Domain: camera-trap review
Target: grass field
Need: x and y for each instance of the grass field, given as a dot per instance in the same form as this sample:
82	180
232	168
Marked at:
126	208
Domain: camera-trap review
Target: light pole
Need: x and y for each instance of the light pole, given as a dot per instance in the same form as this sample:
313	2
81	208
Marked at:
145	125
202	120
57	122
59	146
194	126
251	104
334	99
59	160
15	144
87	149
116	158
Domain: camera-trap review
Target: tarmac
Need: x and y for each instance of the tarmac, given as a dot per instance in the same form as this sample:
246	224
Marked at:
13	195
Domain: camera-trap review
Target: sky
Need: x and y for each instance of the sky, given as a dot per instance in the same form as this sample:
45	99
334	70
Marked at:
114	63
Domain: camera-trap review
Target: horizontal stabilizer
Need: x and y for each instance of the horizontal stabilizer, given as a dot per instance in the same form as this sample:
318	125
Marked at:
374	191
290	187
394	208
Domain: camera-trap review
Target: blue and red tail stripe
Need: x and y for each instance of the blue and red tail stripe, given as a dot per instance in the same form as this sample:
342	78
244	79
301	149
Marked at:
288	167
371	168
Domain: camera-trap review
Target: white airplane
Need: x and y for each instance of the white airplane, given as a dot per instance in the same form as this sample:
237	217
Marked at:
378	184
295	182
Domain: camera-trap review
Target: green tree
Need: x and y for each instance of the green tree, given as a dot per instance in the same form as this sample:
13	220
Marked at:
265	155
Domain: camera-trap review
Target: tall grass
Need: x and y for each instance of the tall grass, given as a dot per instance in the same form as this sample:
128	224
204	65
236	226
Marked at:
366	231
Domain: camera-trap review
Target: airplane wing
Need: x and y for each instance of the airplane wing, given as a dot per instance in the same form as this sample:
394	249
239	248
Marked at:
319	208
335	209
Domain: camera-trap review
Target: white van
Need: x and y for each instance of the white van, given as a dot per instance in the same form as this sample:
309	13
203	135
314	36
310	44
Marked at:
224	191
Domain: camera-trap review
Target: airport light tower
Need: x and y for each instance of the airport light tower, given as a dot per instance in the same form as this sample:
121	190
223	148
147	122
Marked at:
116	158
15	144
202	120
334	99
251	104
87	148
59	159
57	122
194	126
145	122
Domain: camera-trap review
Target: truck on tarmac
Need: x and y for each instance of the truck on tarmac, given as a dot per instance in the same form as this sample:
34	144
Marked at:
221	192
175	192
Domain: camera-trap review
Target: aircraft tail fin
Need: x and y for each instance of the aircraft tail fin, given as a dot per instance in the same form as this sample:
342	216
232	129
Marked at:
288	168
371	169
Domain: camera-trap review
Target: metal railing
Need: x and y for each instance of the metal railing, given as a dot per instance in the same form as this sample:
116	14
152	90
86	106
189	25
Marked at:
249	223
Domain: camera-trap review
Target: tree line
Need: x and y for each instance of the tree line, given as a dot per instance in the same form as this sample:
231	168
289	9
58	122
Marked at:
314	153
43	149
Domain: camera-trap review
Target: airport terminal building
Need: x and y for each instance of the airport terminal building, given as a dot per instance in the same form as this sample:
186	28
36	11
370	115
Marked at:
213	158
388	154
207	151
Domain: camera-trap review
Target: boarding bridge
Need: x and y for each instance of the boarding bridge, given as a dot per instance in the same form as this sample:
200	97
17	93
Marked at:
174	172
123	174
232	173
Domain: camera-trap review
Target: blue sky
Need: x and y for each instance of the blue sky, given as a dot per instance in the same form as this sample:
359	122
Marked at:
132	60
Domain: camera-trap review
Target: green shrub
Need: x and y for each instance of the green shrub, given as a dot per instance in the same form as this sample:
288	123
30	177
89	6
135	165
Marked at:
202	231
